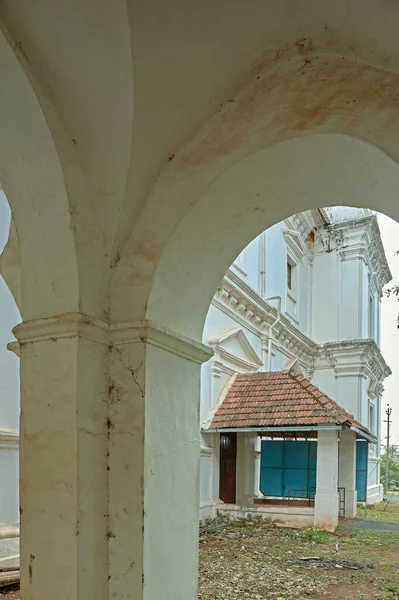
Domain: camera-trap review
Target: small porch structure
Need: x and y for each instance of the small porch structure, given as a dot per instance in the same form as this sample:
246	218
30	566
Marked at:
286	449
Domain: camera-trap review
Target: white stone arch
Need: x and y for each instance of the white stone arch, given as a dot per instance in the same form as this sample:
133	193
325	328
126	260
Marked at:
32	178
266	187
300	93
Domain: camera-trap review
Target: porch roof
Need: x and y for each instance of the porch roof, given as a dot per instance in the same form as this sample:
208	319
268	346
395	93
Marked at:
279	401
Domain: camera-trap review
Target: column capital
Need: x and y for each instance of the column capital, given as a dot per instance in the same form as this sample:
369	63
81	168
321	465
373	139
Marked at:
67	325
149	332
71	325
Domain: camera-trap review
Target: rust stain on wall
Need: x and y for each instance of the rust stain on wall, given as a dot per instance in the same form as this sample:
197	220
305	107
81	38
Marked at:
299	93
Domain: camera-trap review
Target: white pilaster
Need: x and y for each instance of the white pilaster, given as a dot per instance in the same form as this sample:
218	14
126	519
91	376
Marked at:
63	458
347	471
154	463
109	460
326	500
247	486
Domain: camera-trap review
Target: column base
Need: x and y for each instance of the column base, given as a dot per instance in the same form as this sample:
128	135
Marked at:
350	504
326	511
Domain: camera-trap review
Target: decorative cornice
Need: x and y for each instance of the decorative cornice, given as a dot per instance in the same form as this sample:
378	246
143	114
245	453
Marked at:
9	439
361	238
347	358
73	325
218	367
354	357
244	304
148	332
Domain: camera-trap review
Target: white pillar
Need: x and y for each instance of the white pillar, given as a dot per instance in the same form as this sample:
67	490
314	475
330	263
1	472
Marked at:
154	463
109	461
63	458
258	451
347	471
247	483
326	500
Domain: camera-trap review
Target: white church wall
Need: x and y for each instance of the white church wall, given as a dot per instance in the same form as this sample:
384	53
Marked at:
325	298
276	261
329	302
349	395
326	380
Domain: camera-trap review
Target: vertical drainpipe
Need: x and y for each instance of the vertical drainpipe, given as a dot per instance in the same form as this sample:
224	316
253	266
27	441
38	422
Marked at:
271	327
262	265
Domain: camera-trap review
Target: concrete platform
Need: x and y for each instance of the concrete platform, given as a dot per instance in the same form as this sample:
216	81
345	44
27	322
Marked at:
288	516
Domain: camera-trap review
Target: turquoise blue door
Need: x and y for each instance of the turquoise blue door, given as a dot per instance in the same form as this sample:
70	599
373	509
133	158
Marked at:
362	449
288	468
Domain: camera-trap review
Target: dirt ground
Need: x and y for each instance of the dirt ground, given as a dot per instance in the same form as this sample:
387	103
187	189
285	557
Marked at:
10	593
248	561
262	562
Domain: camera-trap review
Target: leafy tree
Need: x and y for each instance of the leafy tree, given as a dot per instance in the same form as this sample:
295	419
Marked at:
393	467
393	291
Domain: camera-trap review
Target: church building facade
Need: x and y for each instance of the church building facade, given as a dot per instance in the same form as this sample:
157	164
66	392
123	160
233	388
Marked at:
302	297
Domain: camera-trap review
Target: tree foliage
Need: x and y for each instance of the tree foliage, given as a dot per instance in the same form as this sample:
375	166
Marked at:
393	291
393	467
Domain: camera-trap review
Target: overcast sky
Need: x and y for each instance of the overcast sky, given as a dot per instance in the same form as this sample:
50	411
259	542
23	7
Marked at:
389	330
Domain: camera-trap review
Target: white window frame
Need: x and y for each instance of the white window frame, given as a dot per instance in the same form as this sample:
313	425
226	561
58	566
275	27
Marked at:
291	294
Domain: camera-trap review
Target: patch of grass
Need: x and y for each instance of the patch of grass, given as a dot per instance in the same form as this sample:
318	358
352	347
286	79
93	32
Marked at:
384	512
317	536
377	538
204	557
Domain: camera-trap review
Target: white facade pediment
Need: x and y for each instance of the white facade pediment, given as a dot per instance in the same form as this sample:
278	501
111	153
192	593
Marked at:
294	365
233	347
295	244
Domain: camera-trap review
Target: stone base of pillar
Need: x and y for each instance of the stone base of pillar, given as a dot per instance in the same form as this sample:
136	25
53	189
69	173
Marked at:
326	511
350	504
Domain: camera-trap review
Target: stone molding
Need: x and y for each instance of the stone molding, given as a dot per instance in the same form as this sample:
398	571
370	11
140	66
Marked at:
251	361
68	325
148	332
218	367
348	358
294	244
354	358
71	325
361	239
9	439
243	303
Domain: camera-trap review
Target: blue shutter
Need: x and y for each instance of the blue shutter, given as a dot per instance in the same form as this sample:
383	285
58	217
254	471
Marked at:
362	448
288	468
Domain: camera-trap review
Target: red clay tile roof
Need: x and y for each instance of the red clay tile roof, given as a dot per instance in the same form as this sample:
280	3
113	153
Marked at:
278	399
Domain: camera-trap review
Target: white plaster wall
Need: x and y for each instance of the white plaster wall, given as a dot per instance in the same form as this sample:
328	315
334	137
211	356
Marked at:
326	380
325	298
275	261
349	395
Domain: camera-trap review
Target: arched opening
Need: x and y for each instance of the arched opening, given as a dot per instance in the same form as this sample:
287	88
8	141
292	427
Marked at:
263	189
308	286
10	401
255	193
